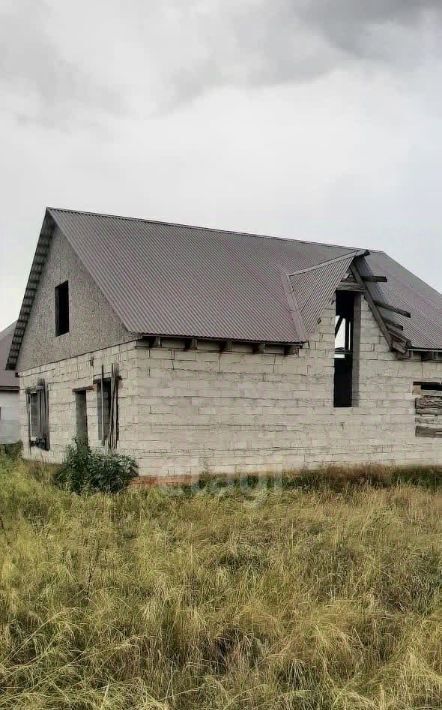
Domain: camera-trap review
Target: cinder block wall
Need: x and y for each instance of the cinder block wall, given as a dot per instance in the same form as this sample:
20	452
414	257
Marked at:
200	411
63	378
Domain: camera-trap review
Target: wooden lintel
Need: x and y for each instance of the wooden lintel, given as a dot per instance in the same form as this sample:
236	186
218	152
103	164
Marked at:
259	348
350	286
374	279
191	344
394	309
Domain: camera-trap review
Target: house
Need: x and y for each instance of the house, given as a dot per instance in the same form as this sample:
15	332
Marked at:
9	393
200	350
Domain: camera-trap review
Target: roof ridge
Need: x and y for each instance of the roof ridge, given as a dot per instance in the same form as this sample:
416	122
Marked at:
355	253
198	227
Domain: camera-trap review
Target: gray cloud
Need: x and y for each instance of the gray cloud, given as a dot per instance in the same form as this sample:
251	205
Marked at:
365	28
148	56
40	84
261	44
318	120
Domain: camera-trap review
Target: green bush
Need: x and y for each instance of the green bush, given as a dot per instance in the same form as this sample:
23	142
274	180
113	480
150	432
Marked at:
86	470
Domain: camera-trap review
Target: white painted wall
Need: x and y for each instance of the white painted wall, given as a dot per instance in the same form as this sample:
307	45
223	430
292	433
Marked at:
9	417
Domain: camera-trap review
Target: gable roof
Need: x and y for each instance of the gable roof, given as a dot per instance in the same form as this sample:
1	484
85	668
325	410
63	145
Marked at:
171	279
8	380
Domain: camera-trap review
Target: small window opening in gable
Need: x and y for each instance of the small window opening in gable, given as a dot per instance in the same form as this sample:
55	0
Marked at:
344	362
37	406
62	309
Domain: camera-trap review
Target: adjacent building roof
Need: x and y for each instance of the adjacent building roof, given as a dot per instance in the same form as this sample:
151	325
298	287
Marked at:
8	380
170	279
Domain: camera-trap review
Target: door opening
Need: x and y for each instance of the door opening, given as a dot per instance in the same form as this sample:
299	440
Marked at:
344	349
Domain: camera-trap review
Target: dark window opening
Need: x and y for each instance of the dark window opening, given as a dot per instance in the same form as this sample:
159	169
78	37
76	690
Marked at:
62	308
344	348
434	386
81	416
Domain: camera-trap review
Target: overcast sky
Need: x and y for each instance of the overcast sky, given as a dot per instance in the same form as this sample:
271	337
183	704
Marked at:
311	119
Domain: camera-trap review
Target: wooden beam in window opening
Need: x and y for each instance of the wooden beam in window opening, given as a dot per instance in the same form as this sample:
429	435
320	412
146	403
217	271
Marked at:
155	342
290	349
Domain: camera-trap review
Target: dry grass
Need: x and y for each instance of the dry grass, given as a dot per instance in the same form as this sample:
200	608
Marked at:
296	598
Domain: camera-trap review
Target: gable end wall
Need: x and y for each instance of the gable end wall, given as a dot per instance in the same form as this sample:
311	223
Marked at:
93	323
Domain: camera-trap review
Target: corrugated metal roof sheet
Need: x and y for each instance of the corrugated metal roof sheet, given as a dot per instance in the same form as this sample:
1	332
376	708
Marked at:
8	379
406	291
168	279
315	287
173	279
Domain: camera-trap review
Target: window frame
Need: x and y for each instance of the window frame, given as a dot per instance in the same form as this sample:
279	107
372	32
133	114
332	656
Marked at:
37	406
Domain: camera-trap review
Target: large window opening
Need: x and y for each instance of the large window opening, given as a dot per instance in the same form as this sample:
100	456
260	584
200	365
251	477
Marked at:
344	375
62	308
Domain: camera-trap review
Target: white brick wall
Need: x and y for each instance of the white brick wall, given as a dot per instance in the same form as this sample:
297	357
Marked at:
191	411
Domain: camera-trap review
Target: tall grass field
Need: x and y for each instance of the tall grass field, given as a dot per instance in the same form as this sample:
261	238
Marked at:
308	596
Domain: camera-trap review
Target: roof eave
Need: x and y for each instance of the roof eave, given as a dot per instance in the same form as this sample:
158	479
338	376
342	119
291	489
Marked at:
37	267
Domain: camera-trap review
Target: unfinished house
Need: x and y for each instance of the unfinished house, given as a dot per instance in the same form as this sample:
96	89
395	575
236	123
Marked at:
200	350
9	397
